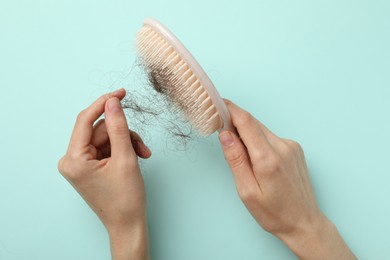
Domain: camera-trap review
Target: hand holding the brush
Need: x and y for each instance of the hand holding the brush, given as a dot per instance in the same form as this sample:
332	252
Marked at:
273	182
101	164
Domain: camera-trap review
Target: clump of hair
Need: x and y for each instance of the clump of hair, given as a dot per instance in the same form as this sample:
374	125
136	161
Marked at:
149	105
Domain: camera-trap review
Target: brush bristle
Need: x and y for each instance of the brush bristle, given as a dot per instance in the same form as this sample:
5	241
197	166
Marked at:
180	83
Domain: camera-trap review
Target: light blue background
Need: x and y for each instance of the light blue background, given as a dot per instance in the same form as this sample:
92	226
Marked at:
314	71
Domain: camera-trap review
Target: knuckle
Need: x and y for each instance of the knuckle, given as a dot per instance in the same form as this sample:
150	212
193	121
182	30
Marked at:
259	154
82	115
287	151
270	164
292	143
73	176
244	117
68	168
291	147
247	195
270	226
59	165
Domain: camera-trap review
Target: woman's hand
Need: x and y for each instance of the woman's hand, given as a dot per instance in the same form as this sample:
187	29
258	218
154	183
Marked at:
102	165
273	182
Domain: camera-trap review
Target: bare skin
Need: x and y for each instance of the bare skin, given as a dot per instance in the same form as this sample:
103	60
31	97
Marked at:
273	182
102	165
270	175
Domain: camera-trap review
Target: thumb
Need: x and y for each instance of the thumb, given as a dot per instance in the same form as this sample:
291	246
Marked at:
237	157
234	150
117	129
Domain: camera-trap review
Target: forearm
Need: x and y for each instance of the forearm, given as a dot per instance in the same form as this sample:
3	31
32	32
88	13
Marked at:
320	240
130	243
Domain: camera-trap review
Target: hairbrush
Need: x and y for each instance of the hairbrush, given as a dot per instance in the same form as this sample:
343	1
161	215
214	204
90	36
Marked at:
175	73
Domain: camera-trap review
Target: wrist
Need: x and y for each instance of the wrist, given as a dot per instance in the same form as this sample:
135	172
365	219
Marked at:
129	241
317	239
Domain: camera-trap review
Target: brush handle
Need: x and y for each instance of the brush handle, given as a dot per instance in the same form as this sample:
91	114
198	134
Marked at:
226	119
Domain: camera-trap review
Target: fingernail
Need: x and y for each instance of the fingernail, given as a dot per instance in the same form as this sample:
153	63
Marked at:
226	138
113	105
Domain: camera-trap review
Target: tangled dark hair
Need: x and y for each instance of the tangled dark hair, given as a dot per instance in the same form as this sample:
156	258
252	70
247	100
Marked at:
149	105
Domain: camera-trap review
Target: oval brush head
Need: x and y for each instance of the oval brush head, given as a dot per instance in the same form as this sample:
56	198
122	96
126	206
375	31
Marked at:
174	72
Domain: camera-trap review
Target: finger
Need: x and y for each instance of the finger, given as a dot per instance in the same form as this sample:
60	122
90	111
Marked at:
140	149
139	146
118	131
237	157
104	151
101	141
249	130
83	129
100	135
268	133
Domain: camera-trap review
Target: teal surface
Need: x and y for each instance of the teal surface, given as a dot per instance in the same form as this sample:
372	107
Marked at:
314	71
